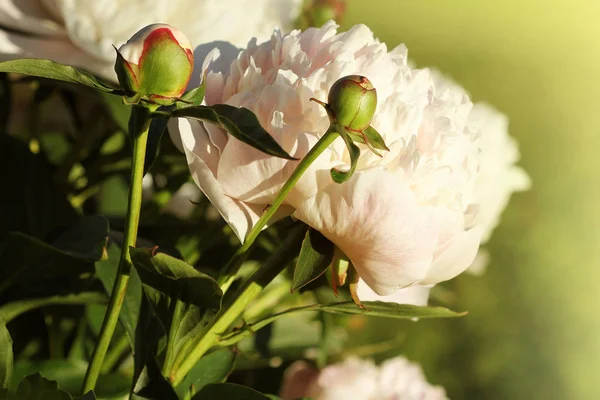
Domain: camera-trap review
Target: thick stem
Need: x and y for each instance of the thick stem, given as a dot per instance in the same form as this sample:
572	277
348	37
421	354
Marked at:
233	265
239	301
139	124
254	285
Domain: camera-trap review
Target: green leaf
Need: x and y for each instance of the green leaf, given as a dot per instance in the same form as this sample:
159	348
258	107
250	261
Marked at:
375	139
13	309
6	355
229	391
151	384
158	126
69	375
183	299
240	122
371	308
31	268
212	368
106	271
36	387
315	257
88	396
192	97
86	240
337	175
60	72
176	278
148	337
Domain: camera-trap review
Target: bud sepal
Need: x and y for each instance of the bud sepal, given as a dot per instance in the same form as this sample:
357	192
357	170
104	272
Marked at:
156	64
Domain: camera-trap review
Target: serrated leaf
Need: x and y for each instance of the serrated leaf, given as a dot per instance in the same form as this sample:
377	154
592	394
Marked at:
229	391
339	176
371	309
6	355
314	259
214	367
60	72
14	309
240	122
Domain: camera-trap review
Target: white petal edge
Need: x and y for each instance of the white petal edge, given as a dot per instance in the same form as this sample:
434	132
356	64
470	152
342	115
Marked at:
417	295
376	221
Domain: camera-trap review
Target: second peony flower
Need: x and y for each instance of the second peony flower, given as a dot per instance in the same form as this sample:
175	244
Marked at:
407	218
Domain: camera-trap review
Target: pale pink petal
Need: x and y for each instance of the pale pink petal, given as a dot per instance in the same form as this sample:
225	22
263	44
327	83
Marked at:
13	45
297	380
29	16
456	257
417	295
202	159
376	221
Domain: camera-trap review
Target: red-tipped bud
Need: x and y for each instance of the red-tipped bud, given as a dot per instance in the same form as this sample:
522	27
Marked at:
157	62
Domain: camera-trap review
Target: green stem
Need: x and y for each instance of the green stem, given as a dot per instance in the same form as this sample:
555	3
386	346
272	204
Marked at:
234	307
228	275
139	123
254	285
169	356
115	354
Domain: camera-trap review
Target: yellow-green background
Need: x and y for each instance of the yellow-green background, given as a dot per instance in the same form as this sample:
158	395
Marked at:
533	331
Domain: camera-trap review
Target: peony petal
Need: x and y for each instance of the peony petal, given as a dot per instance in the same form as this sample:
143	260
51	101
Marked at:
29	16
202	159
417	295
376	221
297	380
14	45
213	56
455	258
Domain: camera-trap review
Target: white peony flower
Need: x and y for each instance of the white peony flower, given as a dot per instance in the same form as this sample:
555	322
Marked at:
356	379
409	218
82	33
498	176
497	180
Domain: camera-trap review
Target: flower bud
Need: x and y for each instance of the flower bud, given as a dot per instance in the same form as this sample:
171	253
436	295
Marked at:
352	101
317	12
157	62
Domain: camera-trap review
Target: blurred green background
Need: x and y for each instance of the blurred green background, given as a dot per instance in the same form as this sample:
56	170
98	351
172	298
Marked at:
533	329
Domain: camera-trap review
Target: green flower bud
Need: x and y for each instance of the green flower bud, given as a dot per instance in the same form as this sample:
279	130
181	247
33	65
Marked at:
352	102
157	62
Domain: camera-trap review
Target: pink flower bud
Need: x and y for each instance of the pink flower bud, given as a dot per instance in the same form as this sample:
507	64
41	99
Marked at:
157	62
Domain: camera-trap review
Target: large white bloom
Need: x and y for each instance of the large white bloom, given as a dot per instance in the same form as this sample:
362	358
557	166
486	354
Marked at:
409	218
356	379
82	33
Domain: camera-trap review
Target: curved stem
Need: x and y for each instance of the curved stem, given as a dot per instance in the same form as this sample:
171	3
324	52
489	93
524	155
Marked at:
228	274
139	124
254	285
